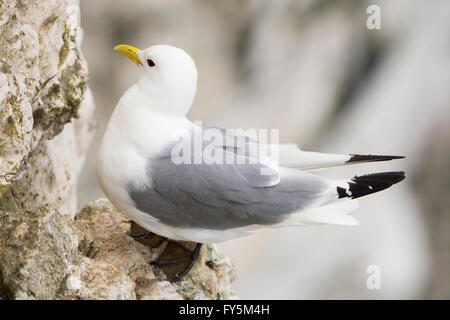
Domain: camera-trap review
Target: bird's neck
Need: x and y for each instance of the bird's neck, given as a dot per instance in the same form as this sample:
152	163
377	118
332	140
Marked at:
135	123
149	106
174	101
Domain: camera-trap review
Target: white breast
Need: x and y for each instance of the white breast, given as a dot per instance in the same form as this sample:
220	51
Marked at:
135	134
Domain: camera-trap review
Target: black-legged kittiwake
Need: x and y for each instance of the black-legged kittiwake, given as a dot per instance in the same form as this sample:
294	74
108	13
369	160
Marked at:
142	165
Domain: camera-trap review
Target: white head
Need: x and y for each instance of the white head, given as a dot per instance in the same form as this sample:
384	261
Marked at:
167	75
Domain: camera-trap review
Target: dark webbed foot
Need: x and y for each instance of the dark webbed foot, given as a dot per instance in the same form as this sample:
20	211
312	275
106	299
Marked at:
177	258
145	237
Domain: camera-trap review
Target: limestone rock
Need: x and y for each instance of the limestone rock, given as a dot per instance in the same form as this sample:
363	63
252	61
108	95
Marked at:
37	249
45	255
43	78
124	263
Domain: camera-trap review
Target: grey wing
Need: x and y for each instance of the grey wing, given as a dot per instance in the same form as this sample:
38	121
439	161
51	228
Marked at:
224	146
223	196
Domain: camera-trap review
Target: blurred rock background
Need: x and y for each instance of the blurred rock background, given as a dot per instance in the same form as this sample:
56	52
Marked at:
315	71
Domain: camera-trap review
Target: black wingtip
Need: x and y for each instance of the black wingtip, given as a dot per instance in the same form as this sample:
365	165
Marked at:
370	158
363	185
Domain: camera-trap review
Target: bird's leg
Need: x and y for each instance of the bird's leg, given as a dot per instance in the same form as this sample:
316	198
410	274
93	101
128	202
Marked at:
177	259
145	237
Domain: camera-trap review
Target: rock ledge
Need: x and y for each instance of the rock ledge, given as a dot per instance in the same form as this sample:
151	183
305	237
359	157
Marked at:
46	255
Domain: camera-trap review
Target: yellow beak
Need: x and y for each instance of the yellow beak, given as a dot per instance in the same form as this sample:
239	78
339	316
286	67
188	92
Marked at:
129	52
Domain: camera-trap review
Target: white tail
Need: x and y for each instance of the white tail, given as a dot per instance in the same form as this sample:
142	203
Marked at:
333	213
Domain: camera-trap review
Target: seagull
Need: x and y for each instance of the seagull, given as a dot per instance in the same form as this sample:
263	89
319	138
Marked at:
153	167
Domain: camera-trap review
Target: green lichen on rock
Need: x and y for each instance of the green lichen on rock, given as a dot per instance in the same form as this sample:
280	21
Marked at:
17	117
74	91
64	51
4	189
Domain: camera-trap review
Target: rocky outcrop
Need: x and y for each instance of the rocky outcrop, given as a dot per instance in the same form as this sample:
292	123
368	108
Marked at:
47	251
43	80
37	248
46	255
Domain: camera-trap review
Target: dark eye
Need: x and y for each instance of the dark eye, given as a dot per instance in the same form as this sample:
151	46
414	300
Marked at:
150	63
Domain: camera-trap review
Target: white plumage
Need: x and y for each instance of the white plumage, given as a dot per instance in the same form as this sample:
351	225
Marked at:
209	203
